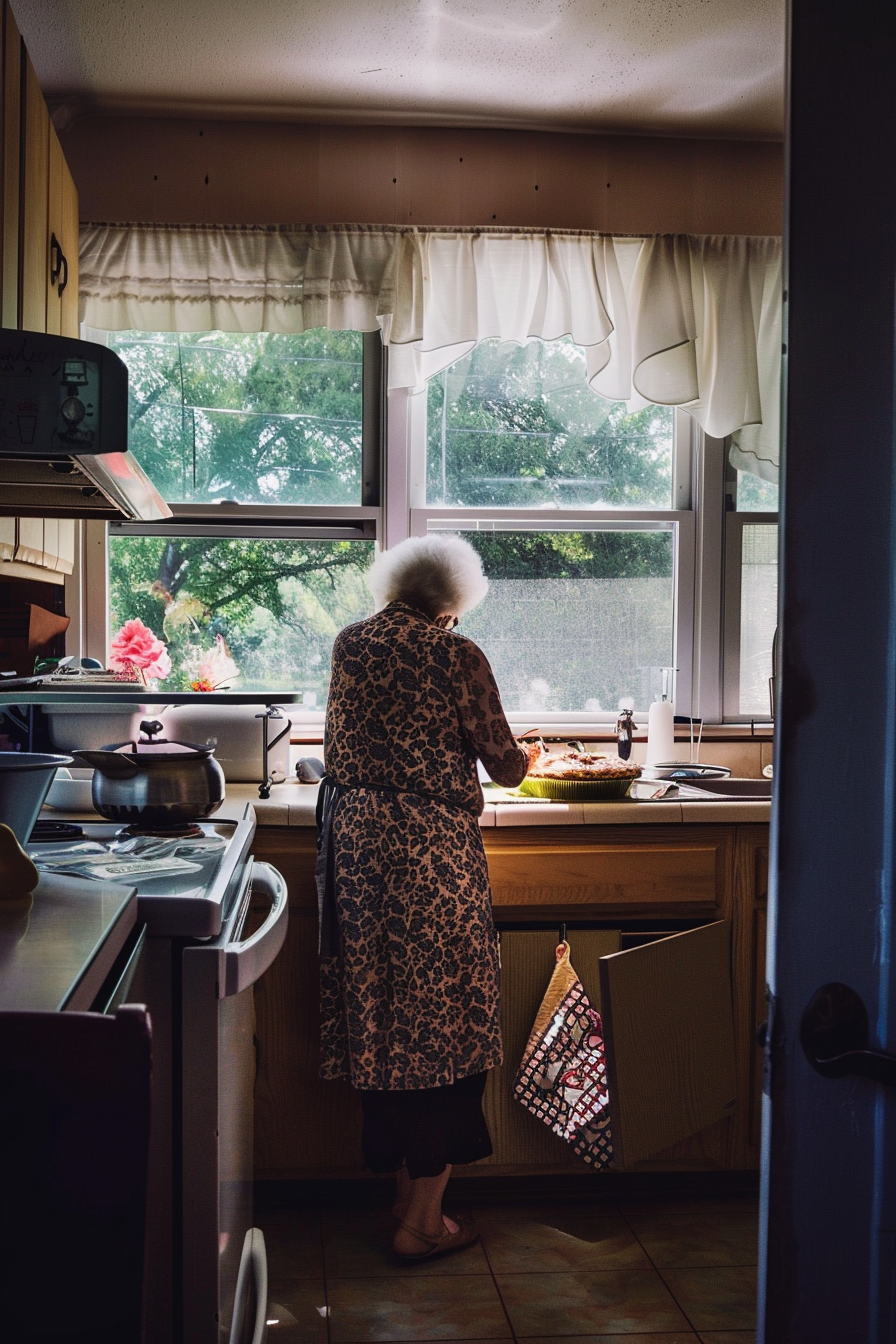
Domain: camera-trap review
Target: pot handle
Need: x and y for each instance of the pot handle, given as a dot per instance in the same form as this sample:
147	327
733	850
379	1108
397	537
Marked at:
109	763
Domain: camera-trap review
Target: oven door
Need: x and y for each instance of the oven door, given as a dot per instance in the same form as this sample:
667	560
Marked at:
218	1076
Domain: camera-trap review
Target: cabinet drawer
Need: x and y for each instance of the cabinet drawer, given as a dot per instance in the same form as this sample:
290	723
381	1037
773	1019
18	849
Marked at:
603	876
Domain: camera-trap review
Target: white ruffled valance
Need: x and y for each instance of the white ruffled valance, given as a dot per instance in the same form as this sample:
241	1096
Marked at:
679	320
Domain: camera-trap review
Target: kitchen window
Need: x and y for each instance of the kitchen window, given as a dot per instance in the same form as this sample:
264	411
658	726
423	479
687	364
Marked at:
268	449
594	519
580	509
751	595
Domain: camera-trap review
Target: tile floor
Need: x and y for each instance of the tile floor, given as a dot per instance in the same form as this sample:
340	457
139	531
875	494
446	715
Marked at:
646	1271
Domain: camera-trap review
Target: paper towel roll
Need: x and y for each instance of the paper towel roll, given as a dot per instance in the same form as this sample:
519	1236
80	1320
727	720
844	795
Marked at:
660	732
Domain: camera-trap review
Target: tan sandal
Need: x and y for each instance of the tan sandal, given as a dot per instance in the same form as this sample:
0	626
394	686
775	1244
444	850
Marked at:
448	1242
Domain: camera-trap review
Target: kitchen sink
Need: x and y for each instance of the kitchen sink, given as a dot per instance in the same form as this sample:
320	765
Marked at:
694	790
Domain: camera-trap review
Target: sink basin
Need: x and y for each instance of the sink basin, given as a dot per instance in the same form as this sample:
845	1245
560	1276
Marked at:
714	789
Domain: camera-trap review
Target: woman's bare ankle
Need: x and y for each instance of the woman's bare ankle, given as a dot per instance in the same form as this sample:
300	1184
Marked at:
411	1238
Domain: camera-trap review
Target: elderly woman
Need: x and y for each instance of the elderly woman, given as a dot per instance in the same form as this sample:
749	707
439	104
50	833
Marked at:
409	956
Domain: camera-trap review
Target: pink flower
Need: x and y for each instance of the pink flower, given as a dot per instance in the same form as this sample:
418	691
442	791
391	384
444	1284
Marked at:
214	668
136	646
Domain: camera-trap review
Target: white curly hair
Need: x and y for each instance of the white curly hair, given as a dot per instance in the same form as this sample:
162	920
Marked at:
436	573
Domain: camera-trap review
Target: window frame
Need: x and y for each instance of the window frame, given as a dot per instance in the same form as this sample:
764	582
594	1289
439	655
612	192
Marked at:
682	519
706	574
735	524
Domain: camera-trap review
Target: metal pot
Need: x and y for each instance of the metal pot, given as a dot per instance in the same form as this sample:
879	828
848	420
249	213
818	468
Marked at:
155	782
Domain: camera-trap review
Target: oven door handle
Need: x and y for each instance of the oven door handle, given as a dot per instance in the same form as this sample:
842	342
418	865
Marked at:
254	1262
246	962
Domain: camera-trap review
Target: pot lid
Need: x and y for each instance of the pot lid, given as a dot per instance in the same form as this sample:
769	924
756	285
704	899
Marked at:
149	747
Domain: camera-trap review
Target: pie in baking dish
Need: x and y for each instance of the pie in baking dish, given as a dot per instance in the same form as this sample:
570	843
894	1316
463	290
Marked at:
586	765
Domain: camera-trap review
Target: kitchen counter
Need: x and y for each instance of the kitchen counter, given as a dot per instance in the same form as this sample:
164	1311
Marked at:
293	804
58	954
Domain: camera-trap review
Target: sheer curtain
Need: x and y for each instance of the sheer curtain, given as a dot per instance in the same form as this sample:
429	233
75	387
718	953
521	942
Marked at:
680	320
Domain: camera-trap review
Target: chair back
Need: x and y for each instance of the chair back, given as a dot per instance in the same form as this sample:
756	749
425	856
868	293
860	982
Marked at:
74	1133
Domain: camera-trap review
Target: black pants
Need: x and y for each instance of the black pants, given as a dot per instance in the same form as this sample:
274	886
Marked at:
425	1128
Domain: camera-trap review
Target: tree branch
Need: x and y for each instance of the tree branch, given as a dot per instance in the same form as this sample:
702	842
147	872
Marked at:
278	572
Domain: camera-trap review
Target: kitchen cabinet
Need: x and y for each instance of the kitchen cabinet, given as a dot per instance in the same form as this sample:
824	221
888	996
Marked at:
678	904
11	73
38	252
34	242
304	1127
62	253
40	204
751	898
74	1125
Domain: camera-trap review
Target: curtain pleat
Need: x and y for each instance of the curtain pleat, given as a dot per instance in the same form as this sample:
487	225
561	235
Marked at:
678	320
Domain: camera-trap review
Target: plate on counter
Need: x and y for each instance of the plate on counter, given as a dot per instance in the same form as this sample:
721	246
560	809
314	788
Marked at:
578	790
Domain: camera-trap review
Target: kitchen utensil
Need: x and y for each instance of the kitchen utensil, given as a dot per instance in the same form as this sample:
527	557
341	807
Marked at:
25	777
155	782
685	770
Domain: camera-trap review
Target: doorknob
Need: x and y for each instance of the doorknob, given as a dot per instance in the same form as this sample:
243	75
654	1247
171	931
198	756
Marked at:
834	1037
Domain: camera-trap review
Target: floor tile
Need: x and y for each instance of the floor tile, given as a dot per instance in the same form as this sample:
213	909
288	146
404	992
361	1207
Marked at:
715	1299
293	1244
359	1246
677	1337
297	1312
415	1307
692	1240
626	1301
544	1238
733	1205
727	1337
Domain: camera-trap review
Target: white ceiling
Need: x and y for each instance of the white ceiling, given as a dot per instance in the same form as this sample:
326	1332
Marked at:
666	67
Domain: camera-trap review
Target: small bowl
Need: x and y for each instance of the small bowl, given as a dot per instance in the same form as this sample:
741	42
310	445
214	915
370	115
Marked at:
71	791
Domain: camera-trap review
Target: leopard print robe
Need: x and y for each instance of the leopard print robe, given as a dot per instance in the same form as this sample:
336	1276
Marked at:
413	999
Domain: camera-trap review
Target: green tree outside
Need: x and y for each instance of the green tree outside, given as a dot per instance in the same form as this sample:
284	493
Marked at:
277	419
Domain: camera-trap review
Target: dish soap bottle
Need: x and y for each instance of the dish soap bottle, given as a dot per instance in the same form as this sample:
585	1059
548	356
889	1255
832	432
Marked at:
661	728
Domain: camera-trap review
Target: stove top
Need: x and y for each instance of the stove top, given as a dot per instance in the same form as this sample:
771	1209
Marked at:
185	881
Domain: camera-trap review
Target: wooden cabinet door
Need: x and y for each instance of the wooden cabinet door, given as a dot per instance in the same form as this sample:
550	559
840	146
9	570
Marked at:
34	254
62	242
520	1139
669	1032
10	76
55	166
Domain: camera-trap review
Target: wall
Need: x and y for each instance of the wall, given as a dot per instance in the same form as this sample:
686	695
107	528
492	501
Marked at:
190	171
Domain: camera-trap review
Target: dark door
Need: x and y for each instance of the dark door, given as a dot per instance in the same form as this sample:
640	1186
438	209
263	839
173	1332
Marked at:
829	1222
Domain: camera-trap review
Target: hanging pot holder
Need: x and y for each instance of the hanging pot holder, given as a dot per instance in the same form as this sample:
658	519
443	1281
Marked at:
562	1078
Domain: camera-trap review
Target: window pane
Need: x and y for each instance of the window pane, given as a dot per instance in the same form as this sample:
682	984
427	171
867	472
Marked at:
575	621
755	495
260	419
518	426
276	605
758	615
